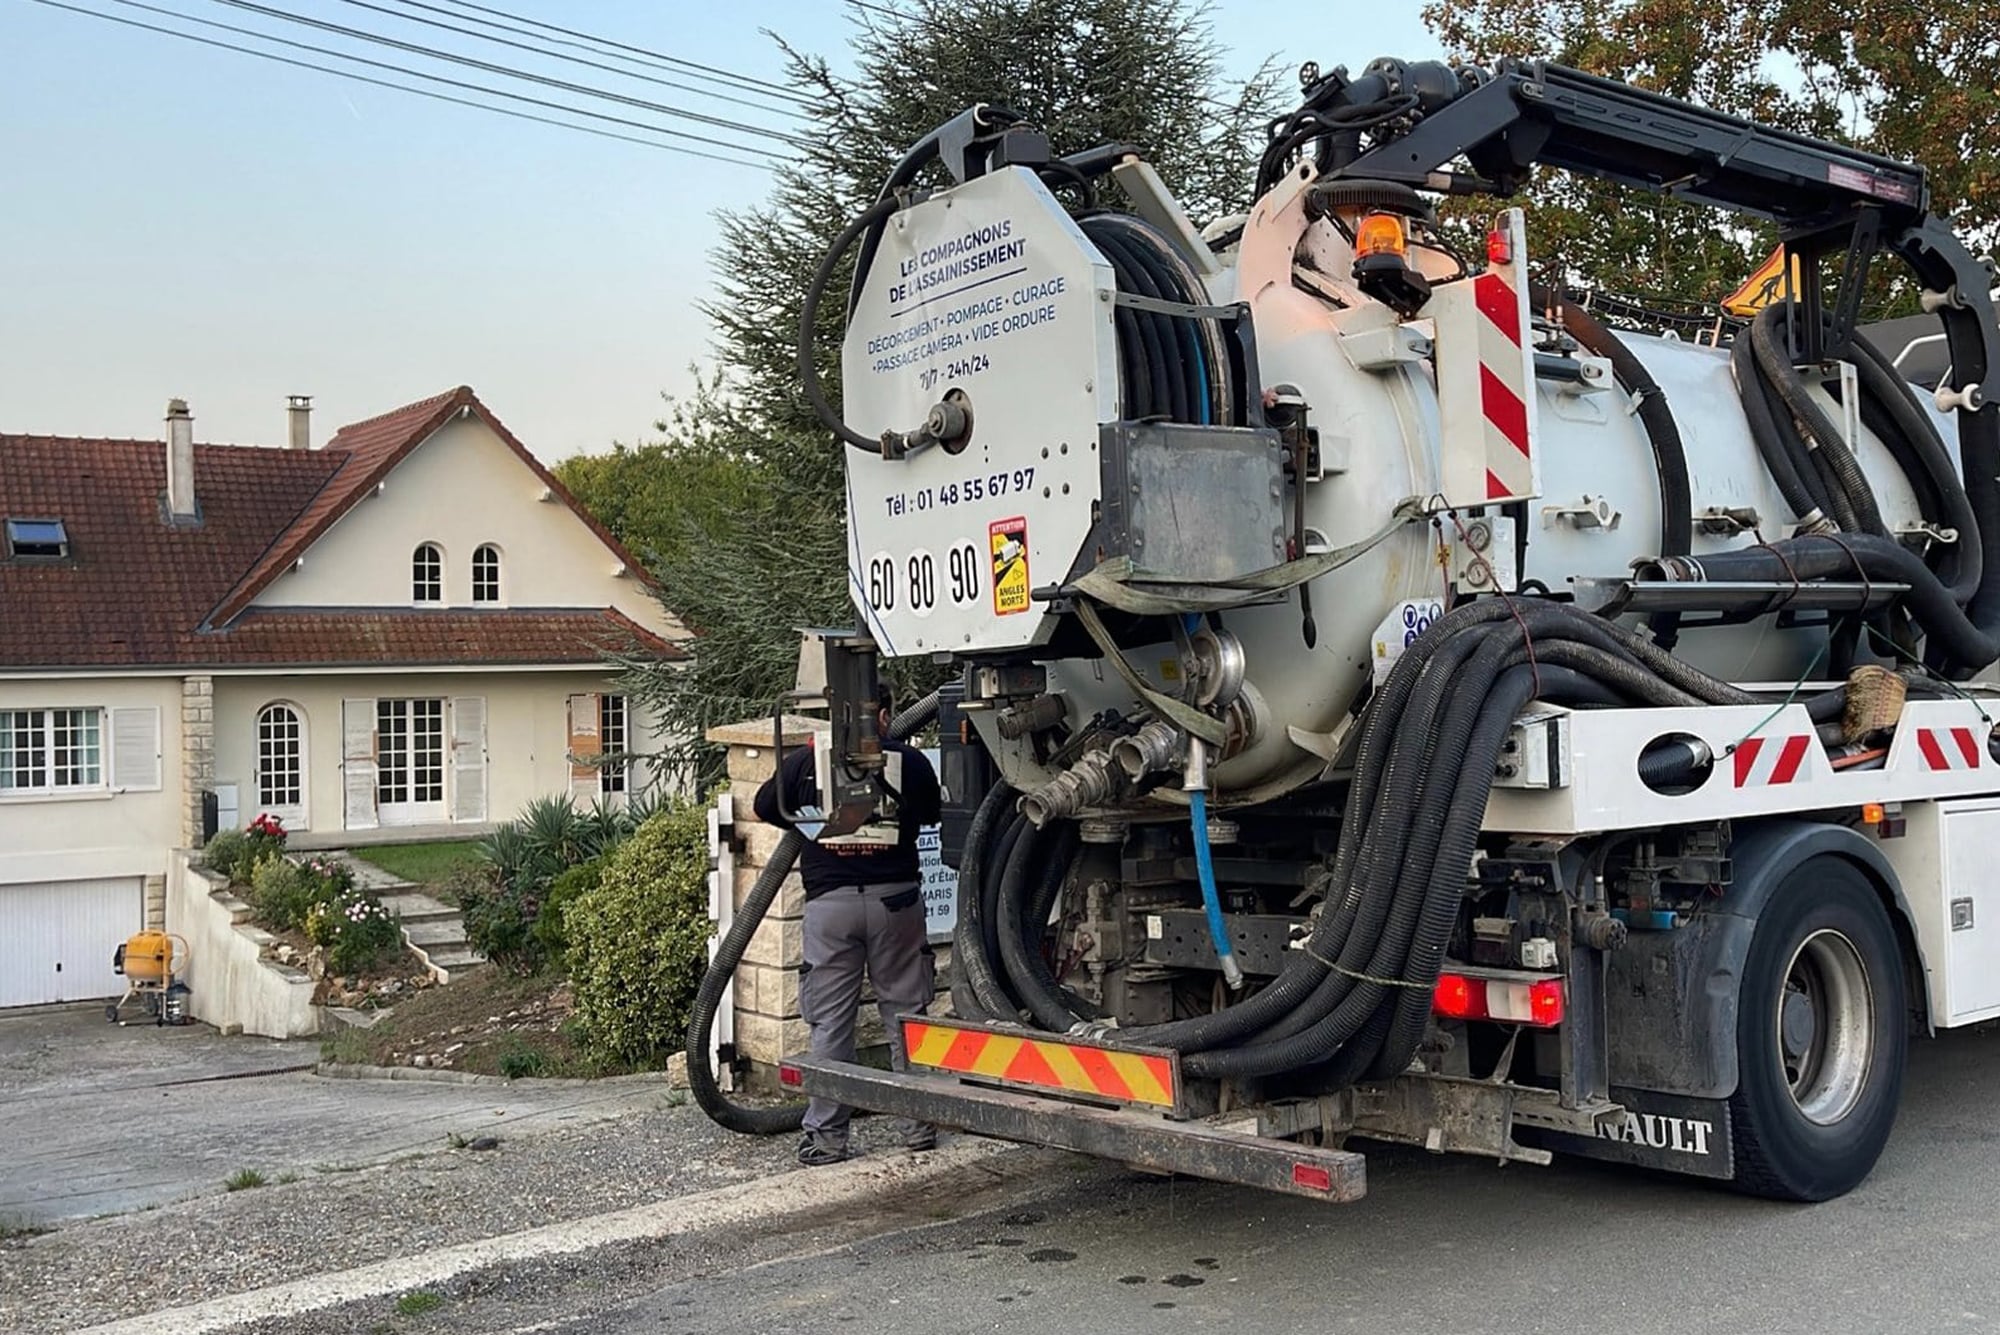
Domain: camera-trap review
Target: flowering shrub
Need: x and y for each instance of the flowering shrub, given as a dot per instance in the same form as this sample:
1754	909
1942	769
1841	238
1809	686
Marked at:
236	853
283	893
364	931
335	874
317	897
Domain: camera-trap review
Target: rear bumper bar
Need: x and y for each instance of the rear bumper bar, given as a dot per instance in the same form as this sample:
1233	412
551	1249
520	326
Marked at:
1147	1140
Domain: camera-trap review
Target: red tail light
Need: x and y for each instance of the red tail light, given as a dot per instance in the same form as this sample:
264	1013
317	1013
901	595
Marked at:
789	1075
1454	998
1538	1002
1312	1176
1545	1003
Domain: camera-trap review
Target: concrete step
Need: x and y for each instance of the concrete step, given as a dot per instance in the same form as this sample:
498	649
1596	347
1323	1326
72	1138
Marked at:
435	935
413	906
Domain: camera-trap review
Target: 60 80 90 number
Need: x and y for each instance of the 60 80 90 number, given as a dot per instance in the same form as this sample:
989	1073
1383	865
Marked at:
912	581
882	582
963	566
923	582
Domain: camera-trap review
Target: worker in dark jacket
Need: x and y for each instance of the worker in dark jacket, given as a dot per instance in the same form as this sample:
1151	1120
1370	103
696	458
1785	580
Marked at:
864	910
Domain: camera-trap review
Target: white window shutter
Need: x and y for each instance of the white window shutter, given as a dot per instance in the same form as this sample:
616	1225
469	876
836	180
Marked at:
135	749
584	746
357	765
468	758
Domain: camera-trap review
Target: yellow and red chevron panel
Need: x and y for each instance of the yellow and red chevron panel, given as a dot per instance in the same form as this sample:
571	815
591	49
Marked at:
1059	1065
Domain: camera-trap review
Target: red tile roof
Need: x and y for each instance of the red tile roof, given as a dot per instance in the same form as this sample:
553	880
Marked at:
415	637
137	592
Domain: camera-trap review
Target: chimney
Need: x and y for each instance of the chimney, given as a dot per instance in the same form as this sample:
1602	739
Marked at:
298	415
180	463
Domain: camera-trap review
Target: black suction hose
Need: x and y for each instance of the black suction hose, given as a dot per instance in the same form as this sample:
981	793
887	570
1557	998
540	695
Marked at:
726	1112
1962	642
809	380
1003	1002
1979	452
977	991
1041	855
1775	361
1779	460
1885	387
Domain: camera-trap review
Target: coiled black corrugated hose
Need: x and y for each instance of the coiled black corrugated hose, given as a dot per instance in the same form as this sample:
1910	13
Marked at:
726	1112
1356	1000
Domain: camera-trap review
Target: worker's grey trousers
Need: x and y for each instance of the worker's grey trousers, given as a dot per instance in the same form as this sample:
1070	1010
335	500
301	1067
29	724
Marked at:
846	929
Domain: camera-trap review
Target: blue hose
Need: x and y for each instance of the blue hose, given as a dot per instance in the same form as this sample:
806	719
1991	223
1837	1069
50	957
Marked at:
1218	931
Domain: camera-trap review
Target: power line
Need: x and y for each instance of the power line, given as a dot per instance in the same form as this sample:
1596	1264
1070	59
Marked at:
575	60
508	71
734	78
454	83
402	88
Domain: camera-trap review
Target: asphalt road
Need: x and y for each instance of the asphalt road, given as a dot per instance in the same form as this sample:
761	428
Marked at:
1440	1244
101	1119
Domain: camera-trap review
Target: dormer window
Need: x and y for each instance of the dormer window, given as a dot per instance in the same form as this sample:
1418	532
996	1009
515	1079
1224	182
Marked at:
427	574
44	539
486	573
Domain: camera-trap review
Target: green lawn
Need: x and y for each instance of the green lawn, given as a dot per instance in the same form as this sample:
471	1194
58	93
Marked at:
421	863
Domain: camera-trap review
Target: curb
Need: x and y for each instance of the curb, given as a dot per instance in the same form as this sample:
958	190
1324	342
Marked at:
988	1168
424	1074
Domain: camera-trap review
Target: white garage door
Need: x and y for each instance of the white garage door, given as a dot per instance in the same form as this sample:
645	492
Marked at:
57	938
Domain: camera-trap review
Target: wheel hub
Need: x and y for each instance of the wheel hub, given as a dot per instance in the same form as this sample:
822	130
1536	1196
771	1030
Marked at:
1797	1023
1825	1026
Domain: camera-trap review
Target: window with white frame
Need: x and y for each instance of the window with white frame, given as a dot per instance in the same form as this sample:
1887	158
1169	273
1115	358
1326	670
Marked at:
409	752
51	750
280	780
612	734
486	573
427	574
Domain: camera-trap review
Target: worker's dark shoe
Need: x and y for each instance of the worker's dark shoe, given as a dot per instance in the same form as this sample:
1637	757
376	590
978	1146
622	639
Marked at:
922	1136
816	1152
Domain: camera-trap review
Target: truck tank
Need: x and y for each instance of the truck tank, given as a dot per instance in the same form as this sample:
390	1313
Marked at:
1047	293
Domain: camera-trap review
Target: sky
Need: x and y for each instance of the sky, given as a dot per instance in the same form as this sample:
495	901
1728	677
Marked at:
182	221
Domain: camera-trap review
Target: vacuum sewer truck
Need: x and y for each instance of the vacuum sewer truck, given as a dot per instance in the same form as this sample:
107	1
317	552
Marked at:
1387	703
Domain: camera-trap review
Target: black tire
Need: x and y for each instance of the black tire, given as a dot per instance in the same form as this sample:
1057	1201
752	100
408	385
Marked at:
1813	1130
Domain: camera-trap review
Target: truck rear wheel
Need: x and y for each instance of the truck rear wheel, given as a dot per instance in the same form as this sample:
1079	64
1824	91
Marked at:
1821	1037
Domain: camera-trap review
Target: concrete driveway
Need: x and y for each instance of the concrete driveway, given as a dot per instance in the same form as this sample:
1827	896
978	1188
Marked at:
102	1119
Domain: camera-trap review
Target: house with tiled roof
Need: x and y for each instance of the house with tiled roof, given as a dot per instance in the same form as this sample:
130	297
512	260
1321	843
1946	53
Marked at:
400	634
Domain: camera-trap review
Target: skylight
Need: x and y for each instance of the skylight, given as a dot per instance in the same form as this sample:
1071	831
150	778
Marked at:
37	537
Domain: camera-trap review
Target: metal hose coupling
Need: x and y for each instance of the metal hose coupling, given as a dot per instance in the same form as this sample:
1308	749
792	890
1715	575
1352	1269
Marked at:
1153	749
1091	781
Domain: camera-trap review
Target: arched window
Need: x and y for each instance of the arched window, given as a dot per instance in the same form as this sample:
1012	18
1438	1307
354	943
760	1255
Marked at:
486	573
280	759
427	574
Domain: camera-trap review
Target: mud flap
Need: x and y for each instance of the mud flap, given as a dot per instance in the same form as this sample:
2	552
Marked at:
1666	1131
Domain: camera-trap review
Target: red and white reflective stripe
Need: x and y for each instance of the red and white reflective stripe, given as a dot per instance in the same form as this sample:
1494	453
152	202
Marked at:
1765	762
1485	362
1948	748
1502	385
